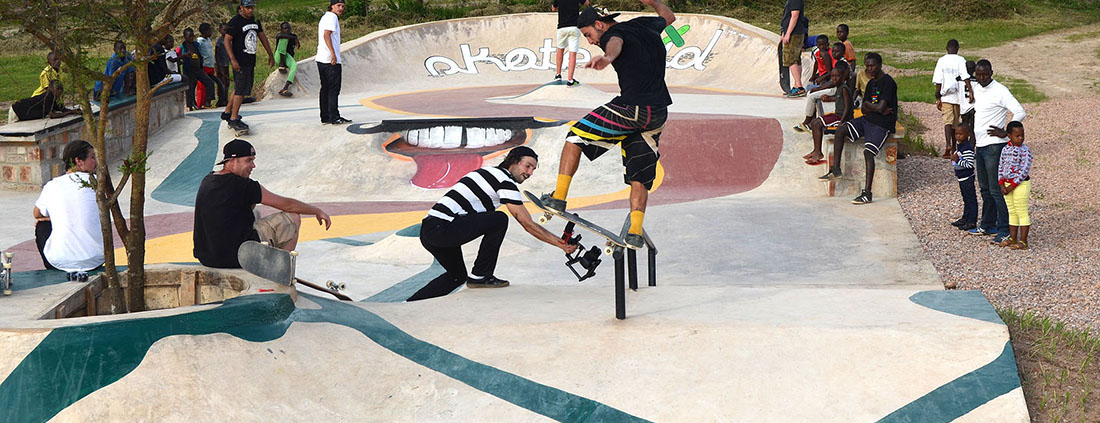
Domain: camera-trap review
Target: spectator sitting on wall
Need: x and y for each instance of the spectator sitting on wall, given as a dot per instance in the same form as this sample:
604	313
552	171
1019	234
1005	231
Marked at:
45	105
124	82
51	73
67	228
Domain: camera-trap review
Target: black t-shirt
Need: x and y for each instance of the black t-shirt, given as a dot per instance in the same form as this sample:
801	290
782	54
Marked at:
291	40
158	67
191	58
224	219
803	25
246	37
568	11
641	64
882	90
221	58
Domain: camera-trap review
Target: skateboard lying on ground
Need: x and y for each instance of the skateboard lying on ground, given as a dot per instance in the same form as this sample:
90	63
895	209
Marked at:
613	240
277	265
5	274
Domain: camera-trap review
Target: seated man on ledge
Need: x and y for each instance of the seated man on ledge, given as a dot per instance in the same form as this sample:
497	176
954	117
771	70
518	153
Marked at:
880	105
45	105
468	211
225	215
67	229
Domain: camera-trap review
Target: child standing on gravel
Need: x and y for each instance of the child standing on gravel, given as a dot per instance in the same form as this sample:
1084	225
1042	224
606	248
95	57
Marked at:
963	162
1014	176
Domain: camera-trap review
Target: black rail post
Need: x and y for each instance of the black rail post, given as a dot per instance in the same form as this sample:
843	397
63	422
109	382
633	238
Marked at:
620	285
632	268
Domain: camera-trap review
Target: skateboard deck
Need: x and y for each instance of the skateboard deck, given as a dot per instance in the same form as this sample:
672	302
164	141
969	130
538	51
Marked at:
613	240
267	262
238	133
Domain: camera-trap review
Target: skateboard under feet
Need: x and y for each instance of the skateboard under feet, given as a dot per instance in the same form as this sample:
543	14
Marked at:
613	240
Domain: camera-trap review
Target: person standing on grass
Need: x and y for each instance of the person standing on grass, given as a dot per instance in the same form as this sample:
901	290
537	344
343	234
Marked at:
329	63
963	163
952	85
206	48
242	34
794	26
992	104
1014	180
568	35
879	107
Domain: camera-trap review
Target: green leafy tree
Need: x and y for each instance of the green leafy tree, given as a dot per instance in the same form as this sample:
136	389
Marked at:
71	29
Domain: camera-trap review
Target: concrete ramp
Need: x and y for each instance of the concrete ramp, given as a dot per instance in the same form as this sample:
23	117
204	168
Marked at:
773	301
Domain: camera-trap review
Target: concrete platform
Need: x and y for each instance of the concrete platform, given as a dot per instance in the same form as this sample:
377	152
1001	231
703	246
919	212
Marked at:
774	302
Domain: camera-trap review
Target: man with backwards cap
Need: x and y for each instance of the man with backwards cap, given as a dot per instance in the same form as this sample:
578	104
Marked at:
635	118
225	215
469	211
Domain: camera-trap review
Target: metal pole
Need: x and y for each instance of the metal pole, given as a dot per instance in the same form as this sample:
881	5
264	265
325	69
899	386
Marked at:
652	267
632	268
620	285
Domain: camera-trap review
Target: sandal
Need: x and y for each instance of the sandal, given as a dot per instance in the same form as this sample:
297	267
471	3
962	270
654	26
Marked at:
816	162
1019	246
1007	242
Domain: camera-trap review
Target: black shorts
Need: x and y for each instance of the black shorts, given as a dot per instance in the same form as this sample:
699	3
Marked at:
242	81
636	128
874	136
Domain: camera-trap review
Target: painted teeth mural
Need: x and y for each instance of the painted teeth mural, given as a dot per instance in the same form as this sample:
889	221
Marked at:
446	149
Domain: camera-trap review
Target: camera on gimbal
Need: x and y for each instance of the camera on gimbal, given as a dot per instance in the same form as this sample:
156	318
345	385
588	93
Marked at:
586	259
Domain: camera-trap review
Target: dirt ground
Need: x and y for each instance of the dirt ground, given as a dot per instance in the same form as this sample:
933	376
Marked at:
1060	275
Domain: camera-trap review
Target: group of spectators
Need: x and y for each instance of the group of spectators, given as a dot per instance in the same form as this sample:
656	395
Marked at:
67	228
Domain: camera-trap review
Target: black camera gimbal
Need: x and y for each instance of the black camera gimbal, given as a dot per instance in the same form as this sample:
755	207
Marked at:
588	260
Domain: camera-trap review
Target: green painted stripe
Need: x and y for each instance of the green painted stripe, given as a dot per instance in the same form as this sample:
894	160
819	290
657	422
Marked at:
348	241
963	395
72	362
972	304
536	397
401	291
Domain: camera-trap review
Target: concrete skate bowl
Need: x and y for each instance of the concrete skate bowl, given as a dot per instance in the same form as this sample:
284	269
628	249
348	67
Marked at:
476	68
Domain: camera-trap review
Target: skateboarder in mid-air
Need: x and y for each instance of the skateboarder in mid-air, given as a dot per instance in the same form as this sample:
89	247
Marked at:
225	214
635	118
469	211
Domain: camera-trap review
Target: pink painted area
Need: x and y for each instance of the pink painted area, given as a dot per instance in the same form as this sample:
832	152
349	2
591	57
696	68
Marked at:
443	170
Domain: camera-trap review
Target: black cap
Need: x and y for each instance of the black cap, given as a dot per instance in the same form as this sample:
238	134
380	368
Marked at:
590	15
248	3
236	148
333	2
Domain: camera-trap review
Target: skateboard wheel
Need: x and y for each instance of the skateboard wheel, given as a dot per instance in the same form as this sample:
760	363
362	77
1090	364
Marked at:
609	250
7	265
543	219
7	292
8	255
294	253
266	244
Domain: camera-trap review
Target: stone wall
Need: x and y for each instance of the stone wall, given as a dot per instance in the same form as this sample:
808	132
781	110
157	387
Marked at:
30	151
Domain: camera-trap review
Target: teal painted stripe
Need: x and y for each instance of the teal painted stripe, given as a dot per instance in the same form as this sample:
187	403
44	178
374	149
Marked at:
182	184
963	395
347	241
72	362
411	231
536	397
972	304
401	291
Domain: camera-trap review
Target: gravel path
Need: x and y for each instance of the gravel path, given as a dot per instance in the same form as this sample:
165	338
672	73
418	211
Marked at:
1060	275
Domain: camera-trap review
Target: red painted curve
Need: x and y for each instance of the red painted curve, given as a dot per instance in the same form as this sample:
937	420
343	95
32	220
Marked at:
704	155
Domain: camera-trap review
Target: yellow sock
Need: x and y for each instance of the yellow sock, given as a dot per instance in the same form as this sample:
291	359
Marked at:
636	222
562	190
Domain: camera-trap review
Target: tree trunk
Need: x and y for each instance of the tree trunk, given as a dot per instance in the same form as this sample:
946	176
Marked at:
112	300
135	244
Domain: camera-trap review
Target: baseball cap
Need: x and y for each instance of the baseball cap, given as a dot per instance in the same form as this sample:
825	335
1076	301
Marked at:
590	15
248	3
333	2
236	148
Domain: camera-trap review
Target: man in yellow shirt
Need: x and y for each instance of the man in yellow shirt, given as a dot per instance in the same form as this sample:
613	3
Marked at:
51	73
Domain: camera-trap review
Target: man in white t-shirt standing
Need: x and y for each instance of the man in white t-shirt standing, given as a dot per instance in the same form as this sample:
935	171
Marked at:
993	102
328	63
952	83
67	228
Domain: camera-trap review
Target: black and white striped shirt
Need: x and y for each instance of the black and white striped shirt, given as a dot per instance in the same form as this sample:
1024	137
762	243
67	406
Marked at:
479	191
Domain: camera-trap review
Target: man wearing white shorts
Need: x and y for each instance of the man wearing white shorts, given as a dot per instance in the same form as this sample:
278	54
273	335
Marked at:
568	36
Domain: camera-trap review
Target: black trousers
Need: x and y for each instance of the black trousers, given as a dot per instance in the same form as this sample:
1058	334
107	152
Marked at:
193	80
330	76
42	231
445	239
